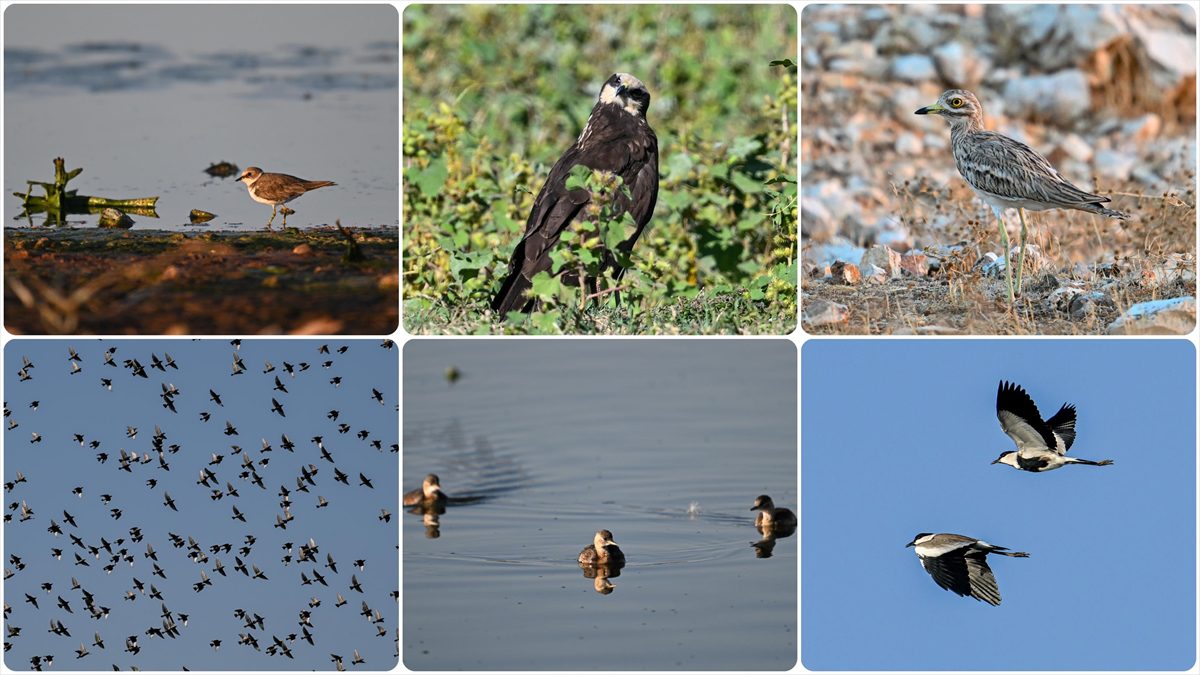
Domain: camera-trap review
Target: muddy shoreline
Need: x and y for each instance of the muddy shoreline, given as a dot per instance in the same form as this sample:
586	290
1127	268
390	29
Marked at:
203	283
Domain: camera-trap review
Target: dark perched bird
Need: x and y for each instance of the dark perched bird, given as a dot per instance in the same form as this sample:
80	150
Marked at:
616	139
1041	444
959	563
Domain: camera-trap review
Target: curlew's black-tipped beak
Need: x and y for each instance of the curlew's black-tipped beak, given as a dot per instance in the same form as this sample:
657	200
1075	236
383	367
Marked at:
929	110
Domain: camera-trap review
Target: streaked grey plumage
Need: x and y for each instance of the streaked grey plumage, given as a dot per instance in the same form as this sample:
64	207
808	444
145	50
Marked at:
1006	173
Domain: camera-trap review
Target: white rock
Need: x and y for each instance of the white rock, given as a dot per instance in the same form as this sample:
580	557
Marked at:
1115	165
1063	97
819	313
816	222
1175	316
874	274
909	143
1144	128
883	257
905	102
1076	148
857	50
895	236
837	248
913	68
958	65
1146	176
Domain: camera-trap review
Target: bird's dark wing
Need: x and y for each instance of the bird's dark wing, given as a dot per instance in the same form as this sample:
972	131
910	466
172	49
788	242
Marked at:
1020	419
1062	423
612	141
553	210
966	575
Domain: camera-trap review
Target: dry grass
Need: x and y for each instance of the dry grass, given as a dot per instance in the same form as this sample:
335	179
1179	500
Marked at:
1130	261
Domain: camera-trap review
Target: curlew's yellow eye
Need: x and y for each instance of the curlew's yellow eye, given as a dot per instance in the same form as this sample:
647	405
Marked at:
956	102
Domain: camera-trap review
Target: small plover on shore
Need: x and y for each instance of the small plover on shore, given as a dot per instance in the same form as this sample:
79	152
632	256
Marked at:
277	189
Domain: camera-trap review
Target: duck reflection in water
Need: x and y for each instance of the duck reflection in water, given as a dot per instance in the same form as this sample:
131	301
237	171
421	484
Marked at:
773	523
602	560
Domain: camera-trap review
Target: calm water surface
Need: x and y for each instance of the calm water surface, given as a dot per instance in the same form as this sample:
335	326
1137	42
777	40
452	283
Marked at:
144	98
666	444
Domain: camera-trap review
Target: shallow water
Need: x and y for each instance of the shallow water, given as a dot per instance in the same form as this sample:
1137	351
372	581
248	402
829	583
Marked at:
304	90
549	441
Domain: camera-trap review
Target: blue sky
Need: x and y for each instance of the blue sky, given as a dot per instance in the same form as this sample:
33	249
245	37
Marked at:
896	439
348	528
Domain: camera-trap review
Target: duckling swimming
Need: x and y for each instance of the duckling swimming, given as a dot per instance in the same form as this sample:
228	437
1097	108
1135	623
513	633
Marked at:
603	551
429	494
770	517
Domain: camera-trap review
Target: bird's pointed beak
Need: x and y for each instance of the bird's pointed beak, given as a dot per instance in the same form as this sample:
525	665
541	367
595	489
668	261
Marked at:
929	110
908	544
996	461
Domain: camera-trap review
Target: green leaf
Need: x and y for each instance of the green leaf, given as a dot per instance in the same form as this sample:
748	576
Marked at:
500	217
676	200
745	184
751	220
679	165
579	177
431	179
743	147
545	287
546	322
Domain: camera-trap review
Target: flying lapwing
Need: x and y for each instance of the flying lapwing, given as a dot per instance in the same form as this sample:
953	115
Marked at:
959	564
1041	444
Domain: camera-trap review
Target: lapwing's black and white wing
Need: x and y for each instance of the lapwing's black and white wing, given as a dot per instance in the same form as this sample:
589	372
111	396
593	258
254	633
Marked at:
964	571
1062	425
1020	419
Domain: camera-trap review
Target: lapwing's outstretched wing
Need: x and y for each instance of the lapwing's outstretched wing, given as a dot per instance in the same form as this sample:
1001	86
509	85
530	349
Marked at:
1020	419
966	573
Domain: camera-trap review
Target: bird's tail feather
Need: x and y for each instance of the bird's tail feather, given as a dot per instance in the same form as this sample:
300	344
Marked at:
511	297
1103	462
1108	213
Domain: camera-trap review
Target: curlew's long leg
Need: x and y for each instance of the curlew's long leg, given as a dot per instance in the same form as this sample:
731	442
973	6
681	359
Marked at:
1021	256
1007	266
273	207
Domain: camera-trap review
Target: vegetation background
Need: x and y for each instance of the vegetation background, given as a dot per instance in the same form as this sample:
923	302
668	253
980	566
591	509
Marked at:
493	95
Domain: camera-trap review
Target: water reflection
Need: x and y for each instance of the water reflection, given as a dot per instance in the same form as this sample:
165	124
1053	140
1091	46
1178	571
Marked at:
763	548
600	575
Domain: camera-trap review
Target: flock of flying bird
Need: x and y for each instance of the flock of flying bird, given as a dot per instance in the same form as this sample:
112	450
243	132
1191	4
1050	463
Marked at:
958	563
102	541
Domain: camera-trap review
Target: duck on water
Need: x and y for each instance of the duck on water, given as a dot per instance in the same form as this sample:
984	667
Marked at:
770	517
602	551
429	494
